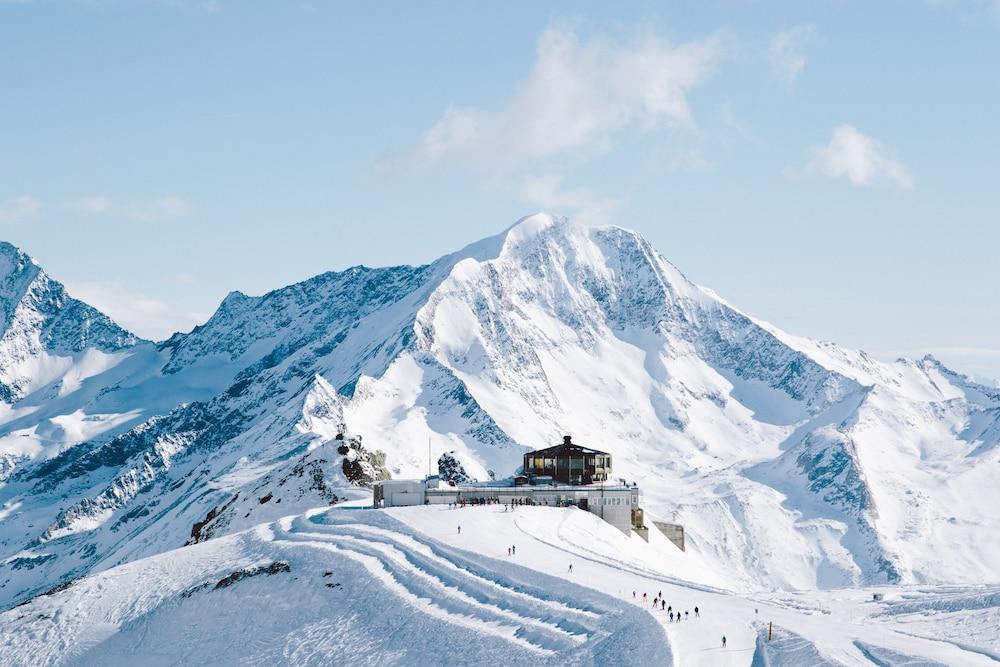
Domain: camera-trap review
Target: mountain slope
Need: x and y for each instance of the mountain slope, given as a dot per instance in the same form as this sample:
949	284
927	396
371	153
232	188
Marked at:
340	588
791	463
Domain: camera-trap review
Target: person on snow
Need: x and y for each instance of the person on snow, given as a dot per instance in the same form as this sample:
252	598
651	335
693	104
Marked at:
670	608
644	598
696	612
513	550
685	616
571	568
671	616
663	605
723	641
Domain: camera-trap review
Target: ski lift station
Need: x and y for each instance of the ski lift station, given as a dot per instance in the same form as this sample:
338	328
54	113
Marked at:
560	476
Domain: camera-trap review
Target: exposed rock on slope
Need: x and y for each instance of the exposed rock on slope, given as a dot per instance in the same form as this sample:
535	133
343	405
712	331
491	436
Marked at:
791	463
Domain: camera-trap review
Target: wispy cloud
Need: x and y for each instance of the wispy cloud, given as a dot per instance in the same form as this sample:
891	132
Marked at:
159	209
156	210
577	96
859	158
785	51
95	204
548	192
17	209
143	315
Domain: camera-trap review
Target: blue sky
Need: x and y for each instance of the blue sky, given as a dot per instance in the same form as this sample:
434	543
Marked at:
831	167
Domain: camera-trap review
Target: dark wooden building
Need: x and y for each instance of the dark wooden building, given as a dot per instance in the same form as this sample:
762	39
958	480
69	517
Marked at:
568	463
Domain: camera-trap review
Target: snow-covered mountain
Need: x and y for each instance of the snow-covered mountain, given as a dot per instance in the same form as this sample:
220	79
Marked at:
791	463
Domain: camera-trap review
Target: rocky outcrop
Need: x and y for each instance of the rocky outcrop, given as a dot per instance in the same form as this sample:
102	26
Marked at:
452	470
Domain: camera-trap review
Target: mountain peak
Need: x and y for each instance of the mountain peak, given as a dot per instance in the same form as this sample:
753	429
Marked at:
38	318
9	249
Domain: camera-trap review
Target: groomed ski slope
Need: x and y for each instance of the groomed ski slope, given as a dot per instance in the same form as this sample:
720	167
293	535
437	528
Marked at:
816	628
404	586
327	588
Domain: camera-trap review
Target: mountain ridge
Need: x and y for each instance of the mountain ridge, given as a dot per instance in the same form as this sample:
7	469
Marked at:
792	463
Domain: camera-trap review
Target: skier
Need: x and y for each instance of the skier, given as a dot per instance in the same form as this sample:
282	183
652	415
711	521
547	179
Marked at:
670	608
671	615
459	530
508	551
571	568
663	605
723	641
644	598
696	612
633	595
513	549
685	616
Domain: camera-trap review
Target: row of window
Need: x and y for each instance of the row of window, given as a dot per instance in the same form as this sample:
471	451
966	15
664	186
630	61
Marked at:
539	462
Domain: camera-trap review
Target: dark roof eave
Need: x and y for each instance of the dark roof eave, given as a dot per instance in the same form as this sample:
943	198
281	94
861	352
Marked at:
566	450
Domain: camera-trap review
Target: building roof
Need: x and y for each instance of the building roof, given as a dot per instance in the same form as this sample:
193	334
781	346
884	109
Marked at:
567	448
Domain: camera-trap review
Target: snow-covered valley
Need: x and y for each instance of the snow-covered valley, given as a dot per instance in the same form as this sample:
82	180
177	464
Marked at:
806	475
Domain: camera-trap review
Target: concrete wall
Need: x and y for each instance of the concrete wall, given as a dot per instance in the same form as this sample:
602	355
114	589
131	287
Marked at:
611	502
402	492
614	504
673	532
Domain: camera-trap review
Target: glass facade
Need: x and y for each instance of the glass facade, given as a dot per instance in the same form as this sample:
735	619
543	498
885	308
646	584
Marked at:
569	463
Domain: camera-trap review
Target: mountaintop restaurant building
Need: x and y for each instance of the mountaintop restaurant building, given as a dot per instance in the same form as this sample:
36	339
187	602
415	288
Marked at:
568	463
560	476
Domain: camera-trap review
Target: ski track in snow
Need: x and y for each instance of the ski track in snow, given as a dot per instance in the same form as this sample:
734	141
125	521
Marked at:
513	616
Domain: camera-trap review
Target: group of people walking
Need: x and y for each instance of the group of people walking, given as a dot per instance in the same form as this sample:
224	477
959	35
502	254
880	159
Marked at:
661	602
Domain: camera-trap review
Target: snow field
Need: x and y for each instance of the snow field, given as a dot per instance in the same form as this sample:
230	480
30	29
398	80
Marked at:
822	627
361	589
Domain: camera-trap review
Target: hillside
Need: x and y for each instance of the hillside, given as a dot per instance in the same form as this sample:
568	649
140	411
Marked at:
402	587
793	464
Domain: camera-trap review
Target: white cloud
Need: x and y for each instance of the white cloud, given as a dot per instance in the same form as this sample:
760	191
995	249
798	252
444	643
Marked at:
785	51
859	158
17	209
576	97
160	209
143	315
95	204
584	206
157	210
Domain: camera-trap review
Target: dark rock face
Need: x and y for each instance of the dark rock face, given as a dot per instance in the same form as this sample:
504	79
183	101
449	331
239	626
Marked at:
452	470
267	570
361	466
